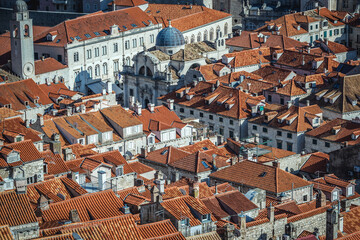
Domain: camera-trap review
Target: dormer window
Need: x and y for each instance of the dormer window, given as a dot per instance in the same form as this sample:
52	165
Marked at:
350	191
26	103
184	222
205	218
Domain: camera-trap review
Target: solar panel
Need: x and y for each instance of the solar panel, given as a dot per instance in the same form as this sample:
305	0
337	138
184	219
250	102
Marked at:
87	35
107	32
97	33
72	38
133	25
205	148
78	38
205	164
125	27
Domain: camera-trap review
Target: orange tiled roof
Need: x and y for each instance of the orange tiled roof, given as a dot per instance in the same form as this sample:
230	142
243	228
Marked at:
17	93
257	175
157	229
236	100
140	168
128	3
249	57
27	149
291	89
120	116
95	25
316	162
16	126
8	113
166	155
5	233
98	205
55	163
210	71
184	17
47	65
15	209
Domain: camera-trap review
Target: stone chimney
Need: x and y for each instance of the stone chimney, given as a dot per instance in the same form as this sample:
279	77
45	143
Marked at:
68	154
320	199
82	108
68	111
332	220
55	144
271	213
170	104
229	231
214	160
138	108
155	194
27	123
194	188
217	83
303	60
307	102
20	185
74	216
242	224
345	205
160	181
40	119
43	203
125	209
113	5
276	164
289	104
101	180
109	87
144	152
216	187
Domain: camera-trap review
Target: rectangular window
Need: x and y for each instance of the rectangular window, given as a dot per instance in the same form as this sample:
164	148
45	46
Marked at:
279	144
141	41
311	27
254	127
116	48
181	110
327	144
282	100
316	26
211	117
96	52
330	33
191	112
221	131
269	98
76	57
36	56
131	92
201	114
104	50
231	122
134	43
127	44
59	58
231	134
289	135
265	130
289	146
279	133
314	142
336	32
305	197
116	66
88	53
152	38
325	34
221	119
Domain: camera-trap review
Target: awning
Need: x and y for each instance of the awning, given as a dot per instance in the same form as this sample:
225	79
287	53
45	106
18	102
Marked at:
96	87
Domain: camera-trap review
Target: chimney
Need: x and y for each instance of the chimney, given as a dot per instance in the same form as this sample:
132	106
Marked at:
276	164
151	107
43	203
242	222
101	180
217	83
320	199
120	170
170	104
144	152
125	209
68	111
27	123
212	87
75	177
249	85
41	119
103	91
289	103
233	161
229	231
74	216
195	188
109	87
113	5
307	102
214	160
132	102
160	181
20	185
271	213
303	60
155	194
138	108
242	78
216	187
345	205
68	154
83	108
55	144
331	223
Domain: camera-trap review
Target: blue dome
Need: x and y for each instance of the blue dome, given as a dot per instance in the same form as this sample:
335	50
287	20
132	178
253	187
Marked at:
170	37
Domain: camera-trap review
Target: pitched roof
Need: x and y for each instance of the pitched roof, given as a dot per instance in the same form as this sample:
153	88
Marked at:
344	131
128	3
5	233
236	99
248	39
95	25
292	88
15	209
205	236
316	162
97	205
20	92
257	175
294	119
184	17
140	168
55	163
120	116
16	127
27	149
47	65
249	57
157	229
183	207
6	113
166	155
299	60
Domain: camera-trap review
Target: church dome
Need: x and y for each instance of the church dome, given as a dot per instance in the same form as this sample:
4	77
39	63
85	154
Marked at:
170	37
20	6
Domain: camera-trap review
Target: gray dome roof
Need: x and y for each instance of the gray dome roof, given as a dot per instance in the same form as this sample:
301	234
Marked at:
20	6
170	37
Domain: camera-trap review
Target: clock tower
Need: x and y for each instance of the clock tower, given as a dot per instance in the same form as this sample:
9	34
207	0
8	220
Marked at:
22	44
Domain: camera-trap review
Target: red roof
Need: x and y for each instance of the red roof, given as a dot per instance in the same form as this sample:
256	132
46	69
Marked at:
47	65
27	149
257	175
128	3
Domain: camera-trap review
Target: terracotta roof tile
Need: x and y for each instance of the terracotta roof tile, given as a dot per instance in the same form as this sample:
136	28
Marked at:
16	126
140	168
47	65
98	205
257	175
15	209
129	3
55	163
316	162
120	116
157	229
5	233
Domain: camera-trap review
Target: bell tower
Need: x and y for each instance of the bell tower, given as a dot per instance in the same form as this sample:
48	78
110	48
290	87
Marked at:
22	44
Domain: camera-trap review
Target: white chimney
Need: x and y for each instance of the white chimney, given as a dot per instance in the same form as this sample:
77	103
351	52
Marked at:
132	102
101	180
109	87
103	91
170	103
138	108
83	108
151	107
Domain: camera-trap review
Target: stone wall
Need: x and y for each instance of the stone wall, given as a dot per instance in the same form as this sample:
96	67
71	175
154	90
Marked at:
344	160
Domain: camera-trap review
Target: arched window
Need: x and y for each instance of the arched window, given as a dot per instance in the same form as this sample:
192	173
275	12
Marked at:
142	70
89	70
218	32
97	70
199	37
26	31
211	34
226	29
205	35
192	38
105	69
